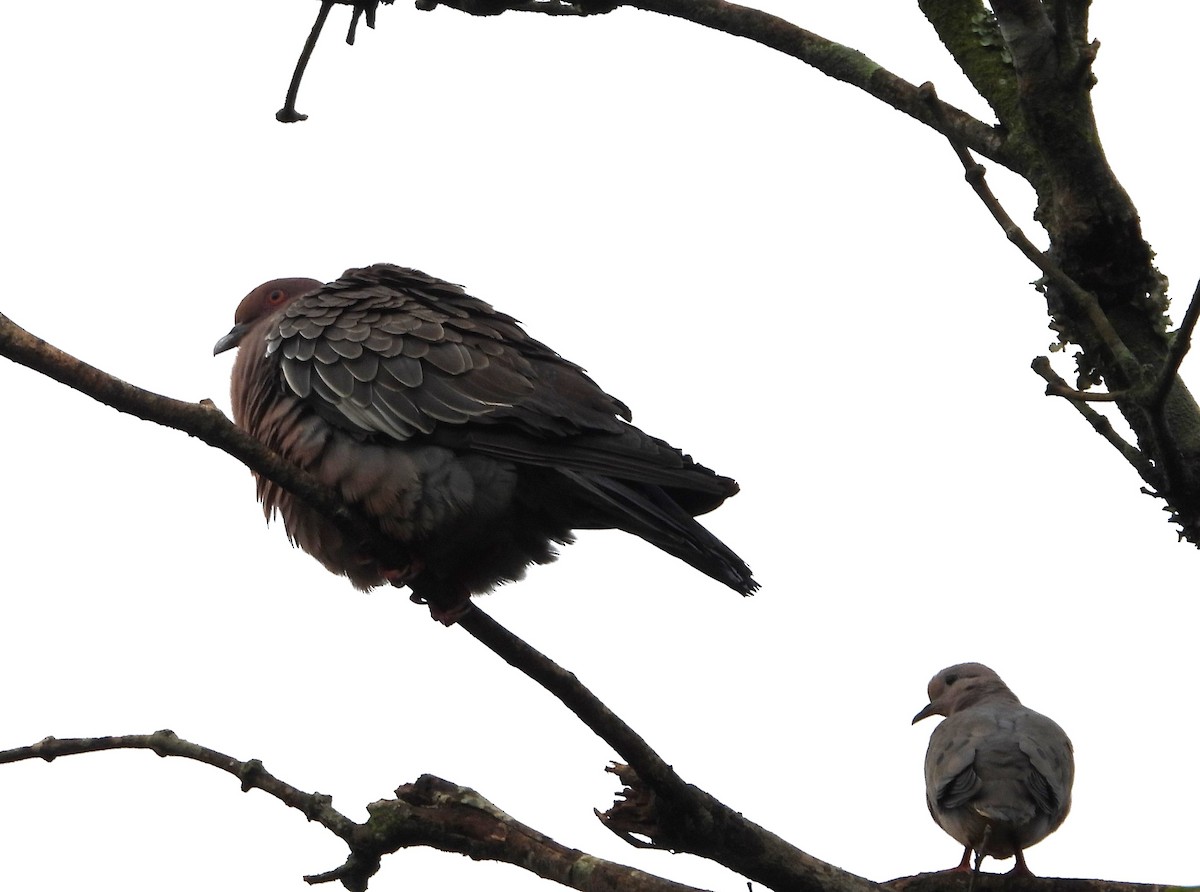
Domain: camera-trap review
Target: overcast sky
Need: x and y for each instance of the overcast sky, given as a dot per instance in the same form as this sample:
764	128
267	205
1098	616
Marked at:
778	274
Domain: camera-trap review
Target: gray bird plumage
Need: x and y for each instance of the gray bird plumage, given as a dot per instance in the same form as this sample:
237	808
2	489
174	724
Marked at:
998	775
475	447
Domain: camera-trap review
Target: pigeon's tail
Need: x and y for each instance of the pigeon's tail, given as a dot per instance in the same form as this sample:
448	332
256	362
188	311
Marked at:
650	513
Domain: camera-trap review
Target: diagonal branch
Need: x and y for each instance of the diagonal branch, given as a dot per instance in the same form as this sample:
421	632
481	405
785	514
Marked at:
1180	345
201	420
1056	386
686	817
693	820
840	62
1082	299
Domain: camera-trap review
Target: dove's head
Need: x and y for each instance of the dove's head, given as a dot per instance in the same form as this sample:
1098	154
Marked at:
960	687
263	301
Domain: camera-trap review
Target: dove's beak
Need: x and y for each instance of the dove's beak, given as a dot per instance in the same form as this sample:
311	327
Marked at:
925	713
232	339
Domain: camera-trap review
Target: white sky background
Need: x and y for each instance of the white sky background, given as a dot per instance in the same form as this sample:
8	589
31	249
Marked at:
779	274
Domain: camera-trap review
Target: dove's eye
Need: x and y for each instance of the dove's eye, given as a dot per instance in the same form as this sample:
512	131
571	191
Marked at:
951	679
276	296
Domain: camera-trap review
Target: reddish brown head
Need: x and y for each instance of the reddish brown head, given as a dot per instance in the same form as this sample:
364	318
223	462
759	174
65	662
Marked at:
262	301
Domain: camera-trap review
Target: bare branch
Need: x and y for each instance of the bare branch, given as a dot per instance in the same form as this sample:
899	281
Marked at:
288	114
1100	424
695	822
1082	299
685	817
430	812
840	62
1071	393
495	7
1180	346
252	776
201	420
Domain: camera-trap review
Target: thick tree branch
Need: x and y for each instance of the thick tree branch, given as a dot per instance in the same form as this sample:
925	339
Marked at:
969	31
1082	301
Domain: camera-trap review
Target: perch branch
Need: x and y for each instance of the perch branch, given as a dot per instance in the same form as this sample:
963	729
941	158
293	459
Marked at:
685	817
201	420
695	821
430	812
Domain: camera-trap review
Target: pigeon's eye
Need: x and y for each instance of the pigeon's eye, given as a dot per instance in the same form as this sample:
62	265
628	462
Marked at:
951	679
277	296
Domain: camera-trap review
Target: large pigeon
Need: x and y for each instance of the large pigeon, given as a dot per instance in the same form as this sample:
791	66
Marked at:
473	446
998	775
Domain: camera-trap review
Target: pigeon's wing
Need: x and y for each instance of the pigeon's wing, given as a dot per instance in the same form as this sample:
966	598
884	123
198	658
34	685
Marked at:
1051	763
950	777
394	353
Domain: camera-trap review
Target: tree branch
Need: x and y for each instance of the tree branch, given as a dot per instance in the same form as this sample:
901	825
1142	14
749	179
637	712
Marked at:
969	32
1101	425
1181	343
1082	300
685	818
200	420
840	62
691	819
430	812
288	114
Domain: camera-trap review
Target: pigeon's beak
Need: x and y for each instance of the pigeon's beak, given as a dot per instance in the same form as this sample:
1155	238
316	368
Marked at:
232	339
931	709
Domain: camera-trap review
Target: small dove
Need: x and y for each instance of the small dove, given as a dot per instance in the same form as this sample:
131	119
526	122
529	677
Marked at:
997	774
473	446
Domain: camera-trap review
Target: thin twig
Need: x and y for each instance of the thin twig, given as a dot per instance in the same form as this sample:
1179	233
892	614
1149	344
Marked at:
251	774
1072	394
1101	425
1180	345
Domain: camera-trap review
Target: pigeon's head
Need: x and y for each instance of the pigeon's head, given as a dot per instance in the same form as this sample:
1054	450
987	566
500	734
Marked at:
264	300
959	687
